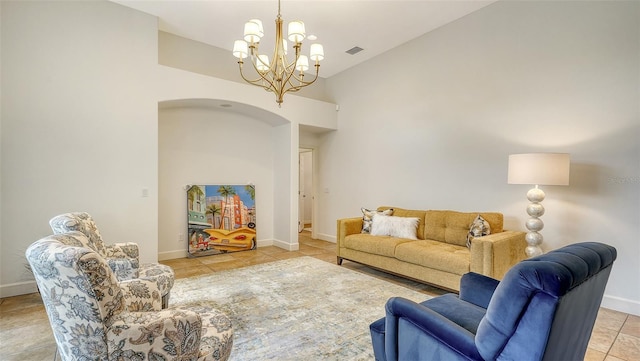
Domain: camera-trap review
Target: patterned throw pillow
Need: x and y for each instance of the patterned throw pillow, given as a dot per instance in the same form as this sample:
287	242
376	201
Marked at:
367	218
480	227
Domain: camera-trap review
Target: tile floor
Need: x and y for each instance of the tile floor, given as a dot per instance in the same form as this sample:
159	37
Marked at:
25	333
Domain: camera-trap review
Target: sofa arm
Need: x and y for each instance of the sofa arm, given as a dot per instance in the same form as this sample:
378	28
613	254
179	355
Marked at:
495	254
347	226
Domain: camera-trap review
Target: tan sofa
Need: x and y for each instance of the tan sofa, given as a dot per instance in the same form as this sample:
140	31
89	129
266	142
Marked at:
440	256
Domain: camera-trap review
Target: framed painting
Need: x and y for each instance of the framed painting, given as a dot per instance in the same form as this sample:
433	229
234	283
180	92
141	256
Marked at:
221	219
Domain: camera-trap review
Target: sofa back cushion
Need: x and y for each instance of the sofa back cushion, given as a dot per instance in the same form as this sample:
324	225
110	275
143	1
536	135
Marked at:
452	227
400	212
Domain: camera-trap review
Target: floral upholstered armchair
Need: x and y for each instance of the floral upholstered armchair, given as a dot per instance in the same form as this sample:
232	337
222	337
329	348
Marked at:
96	317
123	258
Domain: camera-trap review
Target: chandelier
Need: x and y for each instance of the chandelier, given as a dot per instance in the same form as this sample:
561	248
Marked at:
278	76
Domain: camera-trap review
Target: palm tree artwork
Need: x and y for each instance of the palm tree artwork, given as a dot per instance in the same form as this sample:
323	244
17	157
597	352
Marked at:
227	219
213	210
251	191
226	192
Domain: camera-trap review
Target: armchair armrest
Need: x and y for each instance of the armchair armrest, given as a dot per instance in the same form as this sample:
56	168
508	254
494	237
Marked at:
123	259
124	268
141	295
477	289
169	334
123	250
493	255
429	325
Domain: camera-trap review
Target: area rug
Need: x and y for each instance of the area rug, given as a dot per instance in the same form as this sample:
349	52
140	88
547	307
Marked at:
296	309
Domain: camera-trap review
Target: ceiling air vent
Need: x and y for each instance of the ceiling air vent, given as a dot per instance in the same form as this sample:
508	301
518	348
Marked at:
355	50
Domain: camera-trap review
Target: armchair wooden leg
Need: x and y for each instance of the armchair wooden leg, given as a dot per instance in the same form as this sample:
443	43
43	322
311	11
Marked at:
339	261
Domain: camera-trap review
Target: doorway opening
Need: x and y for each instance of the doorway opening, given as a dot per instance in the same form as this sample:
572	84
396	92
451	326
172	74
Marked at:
305	189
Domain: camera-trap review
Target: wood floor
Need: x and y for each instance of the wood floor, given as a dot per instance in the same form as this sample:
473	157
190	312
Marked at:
25	334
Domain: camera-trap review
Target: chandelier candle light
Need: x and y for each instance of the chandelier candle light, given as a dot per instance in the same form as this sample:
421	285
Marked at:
538	169
278	76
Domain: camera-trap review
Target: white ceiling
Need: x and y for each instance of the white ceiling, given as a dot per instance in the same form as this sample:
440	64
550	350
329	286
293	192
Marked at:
376	26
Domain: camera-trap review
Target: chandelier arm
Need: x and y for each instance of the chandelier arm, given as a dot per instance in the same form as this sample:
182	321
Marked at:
291	67
263	77
301	81
252	82
295	88
255	58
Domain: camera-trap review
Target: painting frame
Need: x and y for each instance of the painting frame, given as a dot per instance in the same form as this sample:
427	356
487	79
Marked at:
221	219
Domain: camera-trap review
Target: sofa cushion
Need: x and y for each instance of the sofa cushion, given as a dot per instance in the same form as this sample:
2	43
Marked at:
400	212
401	227
380	245
453	227
437	255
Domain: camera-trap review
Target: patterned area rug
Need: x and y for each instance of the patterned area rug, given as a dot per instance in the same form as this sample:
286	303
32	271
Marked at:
297	309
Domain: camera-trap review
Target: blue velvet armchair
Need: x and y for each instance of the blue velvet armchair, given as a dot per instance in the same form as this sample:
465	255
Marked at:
543	309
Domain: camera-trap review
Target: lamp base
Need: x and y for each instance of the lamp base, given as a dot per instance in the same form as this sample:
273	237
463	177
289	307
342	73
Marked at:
533	251
534	224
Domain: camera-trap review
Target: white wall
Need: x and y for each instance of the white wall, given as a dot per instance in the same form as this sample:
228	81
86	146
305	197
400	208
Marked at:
208	145
285	206
285	123
182	53
430	125
81	85
79	125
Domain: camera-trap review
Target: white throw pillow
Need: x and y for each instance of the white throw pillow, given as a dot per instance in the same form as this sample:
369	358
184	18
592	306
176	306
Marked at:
402	227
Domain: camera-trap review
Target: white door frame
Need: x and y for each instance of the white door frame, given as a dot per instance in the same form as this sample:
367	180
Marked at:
309	193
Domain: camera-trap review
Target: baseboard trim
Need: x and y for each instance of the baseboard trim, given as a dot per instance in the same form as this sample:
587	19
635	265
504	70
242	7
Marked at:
182	253
286	246
326	237
265	243
17	289
163	256
621	304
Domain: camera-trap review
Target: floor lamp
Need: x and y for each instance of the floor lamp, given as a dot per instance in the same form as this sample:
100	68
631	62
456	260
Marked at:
537	169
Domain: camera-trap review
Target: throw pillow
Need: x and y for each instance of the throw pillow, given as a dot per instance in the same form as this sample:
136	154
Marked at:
367	216
479	227
402	227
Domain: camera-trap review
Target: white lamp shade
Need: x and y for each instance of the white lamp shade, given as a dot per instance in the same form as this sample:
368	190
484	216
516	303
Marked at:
252	33
316	53
539	169
262	63
240	49
296	31
258	22
302	64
